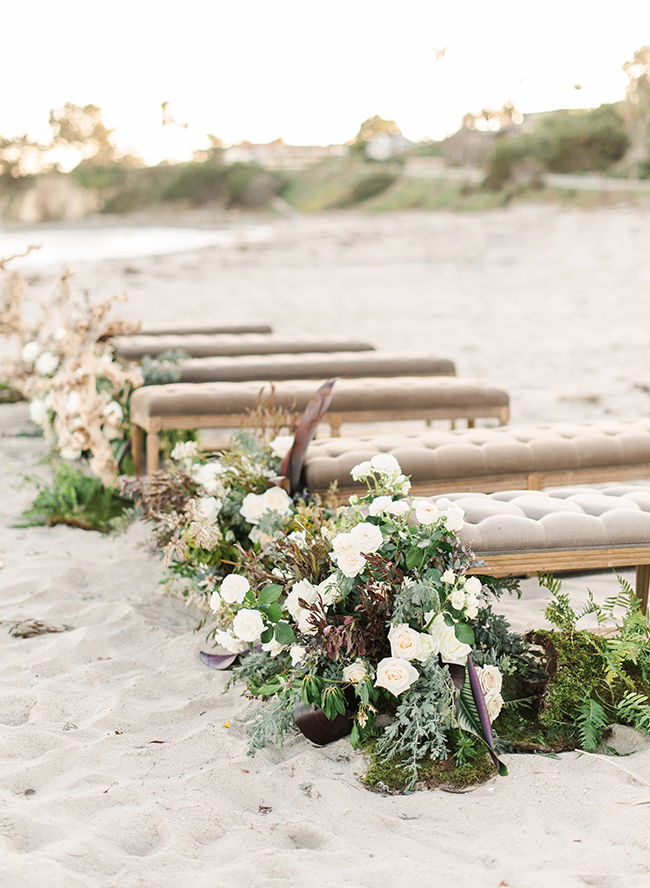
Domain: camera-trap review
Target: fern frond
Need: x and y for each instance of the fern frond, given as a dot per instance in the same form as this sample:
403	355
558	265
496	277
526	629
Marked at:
591	721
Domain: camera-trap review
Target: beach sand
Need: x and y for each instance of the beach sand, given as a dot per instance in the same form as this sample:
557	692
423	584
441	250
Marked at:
124	764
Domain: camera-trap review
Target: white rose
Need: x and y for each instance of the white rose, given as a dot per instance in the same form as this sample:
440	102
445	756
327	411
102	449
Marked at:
396	675
385	464
229	642
256	536
113	413
185	450
448	577
38	411
457	599
304	590
305	625
299	538
253	507
402	485
234	588
366	537
426	512
493	704
355	672
297	652
471	606
207	474
30	352
281	445
273	647
72	402
379	505
399	508
215	601
490	678
209	507
473	586
277	500
351	562
341	543
70	453
328	590
450	649
404	642
46	363
429	646
248	624
361	471
454	516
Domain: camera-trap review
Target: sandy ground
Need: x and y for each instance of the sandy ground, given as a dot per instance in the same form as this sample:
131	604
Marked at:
118	767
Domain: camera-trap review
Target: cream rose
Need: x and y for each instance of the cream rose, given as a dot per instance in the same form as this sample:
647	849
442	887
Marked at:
208	507
297	652
361	471
341	543
429	646
228	641
473	586
426	513
471	606
450	649
448	577
490	678
351	562
305	625
399	508
454	516
234	588
457	599
46	363
272	647
493	704
380	505
404	642
253	507
31	350
355	672
366	537
385	464
304	590
396	675
215	600
38	411
281	445
185	450
328	590
248	624
276	499
207	474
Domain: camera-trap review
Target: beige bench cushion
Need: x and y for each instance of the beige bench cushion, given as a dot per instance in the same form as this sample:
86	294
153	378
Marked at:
314	366
492	459
210	400
207	328
200	345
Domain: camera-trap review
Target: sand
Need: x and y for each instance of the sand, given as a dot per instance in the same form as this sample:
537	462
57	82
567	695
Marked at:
124	764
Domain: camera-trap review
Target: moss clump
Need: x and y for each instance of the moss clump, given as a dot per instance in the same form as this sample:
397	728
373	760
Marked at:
432	773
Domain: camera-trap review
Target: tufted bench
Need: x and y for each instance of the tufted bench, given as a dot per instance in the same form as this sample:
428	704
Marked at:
221	404
242	368
489	459
201	345
207	328
559	529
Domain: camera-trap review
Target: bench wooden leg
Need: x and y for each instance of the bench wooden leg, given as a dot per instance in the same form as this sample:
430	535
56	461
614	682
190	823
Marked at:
642	583
137	449
471	423
153	448
335	420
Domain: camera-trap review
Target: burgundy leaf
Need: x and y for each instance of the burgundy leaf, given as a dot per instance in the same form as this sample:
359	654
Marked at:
314	412
457	673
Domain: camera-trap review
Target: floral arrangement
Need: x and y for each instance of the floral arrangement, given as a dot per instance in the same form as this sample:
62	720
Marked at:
366	615
78	393
209	511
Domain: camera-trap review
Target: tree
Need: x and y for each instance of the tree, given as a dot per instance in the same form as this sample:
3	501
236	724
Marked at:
83	129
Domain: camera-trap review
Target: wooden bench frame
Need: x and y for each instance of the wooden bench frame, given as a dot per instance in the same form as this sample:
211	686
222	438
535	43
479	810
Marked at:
153	425
505	564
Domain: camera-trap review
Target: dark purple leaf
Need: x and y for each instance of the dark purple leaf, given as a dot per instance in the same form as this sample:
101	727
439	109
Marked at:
457	673
314	412
218	661
479	700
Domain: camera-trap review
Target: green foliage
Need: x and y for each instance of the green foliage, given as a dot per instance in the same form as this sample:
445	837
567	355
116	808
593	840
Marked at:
235	185
366	187
9	394
164	367
76	499
421	720
634	710
591	721
269	724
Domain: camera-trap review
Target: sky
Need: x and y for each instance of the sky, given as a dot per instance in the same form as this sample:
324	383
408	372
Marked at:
304	70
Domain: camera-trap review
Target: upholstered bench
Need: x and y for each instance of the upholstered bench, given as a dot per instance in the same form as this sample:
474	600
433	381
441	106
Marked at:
205	329
242	368
221	404
489	459
560	529
201	345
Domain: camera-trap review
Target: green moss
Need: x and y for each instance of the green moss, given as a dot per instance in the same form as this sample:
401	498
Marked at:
432	773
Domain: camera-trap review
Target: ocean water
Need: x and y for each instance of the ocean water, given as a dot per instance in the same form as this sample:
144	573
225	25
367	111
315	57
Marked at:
74	246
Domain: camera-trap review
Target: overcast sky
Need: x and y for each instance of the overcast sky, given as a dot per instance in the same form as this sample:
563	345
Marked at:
305	70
